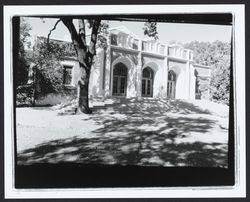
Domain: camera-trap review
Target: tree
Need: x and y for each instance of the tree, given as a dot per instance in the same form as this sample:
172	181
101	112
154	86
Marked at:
85	53
49	74
22	65
150	29
216	55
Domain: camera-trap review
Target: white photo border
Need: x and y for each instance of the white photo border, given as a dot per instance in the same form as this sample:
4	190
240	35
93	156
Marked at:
238	190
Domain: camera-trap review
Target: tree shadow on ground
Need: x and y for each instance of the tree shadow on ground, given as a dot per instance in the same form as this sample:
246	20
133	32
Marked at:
137	133
148	149
155	106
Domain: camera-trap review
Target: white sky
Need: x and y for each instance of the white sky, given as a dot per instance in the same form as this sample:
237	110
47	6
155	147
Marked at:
167	32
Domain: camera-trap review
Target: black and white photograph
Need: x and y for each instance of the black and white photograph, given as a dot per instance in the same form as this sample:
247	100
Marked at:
128	100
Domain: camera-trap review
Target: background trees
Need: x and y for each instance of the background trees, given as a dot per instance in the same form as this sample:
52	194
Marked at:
47	58
23	57
216	55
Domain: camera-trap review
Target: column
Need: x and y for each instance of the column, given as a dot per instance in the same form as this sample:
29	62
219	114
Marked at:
139	70
188	76
165	74
107	73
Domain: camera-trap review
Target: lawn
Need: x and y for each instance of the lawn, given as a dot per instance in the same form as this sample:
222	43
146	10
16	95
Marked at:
146	132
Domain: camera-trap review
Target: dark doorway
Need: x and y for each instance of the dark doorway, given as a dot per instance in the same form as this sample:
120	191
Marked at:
171	84
120	80
147	82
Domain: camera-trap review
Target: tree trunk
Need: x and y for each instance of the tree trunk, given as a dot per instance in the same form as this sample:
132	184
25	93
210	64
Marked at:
83	92
85	56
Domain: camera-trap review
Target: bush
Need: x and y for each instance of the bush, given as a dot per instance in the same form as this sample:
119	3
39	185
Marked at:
24	95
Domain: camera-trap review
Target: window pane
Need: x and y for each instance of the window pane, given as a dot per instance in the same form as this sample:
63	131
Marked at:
147	73
122	87
143	86
120	69
171	76
149	87
115	84
67	75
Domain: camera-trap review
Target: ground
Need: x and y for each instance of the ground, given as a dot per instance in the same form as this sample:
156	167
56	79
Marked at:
146	132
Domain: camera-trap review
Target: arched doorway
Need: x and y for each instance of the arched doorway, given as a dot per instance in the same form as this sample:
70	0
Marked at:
120	73
147	82
171	84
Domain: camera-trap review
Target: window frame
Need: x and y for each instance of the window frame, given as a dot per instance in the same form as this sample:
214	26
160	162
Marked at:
64	75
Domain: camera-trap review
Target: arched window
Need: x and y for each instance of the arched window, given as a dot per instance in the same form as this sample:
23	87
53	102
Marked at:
171	76
171	84
147	82
120	79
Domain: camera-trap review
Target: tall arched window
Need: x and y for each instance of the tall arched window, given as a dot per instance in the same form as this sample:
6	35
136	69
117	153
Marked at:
120	79
171	84
147	82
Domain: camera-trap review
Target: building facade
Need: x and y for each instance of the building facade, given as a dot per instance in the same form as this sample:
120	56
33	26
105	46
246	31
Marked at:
133	67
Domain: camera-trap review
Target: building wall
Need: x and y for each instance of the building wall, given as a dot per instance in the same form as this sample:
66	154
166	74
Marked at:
136	55
96	75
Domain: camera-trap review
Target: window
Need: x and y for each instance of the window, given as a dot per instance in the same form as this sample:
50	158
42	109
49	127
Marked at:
120	80
67	74
147	82
171	84
171	76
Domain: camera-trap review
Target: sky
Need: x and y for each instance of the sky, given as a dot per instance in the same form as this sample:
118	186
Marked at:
179	32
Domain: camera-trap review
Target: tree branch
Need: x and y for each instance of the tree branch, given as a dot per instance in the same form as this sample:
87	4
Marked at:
96	25
52	30
68	22
79	46
82	33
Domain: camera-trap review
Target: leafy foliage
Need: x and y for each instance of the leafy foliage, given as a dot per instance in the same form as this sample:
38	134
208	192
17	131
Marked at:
150	29
24	95
216	55
49	73
103	34
22	65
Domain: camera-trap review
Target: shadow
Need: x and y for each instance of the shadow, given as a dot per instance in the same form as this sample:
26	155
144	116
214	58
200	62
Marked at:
44	108
137	133
153	105
121	143
145	149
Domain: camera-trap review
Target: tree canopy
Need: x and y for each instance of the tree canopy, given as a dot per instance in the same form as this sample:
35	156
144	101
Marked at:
217	56
22	68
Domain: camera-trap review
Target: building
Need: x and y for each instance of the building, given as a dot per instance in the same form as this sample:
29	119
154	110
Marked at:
133	67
